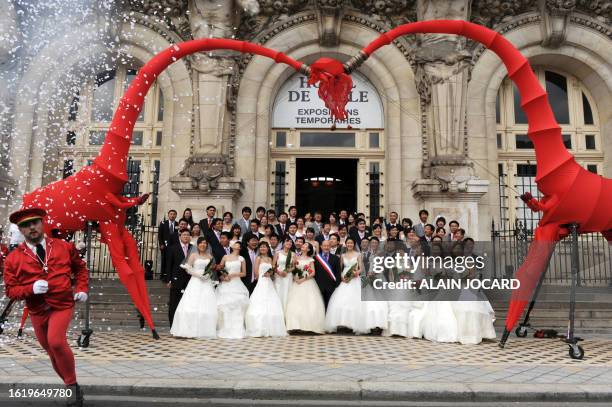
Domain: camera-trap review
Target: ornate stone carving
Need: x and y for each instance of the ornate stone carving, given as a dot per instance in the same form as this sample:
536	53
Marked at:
330	20
171	8
555	17
205	171
213	64
453	173
492	12
390	12
597	8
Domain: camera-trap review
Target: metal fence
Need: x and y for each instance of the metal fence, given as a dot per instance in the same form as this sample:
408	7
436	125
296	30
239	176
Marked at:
145	236
510	248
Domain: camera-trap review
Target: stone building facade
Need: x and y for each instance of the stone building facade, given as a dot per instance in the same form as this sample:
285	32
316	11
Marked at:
436	123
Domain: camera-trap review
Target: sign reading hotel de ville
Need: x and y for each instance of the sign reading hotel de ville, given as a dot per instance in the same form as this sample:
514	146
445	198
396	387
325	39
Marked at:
297	105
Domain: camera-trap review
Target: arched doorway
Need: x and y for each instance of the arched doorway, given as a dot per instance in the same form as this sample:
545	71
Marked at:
316	167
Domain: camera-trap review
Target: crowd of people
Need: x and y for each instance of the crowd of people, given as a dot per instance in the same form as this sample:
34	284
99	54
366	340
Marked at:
272	274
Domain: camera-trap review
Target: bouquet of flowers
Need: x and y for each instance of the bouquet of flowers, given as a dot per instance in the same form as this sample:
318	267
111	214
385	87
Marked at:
368	279
208	272
303	271
287	265
350	273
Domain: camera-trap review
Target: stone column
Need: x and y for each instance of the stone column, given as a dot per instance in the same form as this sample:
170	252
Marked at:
449	186
208	173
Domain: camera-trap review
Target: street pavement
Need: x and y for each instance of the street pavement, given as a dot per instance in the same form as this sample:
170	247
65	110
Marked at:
130	368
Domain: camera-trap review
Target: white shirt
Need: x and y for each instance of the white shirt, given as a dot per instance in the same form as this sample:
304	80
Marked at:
33	246
15	236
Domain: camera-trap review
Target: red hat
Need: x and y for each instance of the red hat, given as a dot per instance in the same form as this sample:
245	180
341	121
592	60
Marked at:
25	215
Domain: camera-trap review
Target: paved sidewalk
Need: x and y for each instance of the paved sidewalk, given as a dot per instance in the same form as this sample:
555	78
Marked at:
318	367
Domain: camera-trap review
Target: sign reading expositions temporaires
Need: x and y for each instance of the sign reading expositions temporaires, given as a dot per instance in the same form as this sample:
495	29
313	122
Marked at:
298	106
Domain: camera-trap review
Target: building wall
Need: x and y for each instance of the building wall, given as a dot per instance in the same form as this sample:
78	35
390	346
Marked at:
239	122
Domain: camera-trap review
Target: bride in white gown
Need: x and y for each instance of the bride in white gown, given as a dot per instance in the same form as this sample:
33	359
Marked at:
196	314
305	307
232	296
283	278
265	315
344	308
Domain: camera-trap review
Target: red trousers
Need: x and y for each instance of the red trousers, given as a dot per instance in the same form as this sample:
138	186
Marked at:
50	329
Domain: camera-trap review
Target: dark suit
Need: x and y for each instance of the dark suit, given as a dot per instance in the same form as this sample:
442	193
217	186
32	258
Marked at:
355	235
249	270
204	226
166	237
426	245
215	246
326	284
320	238
279	230
176	275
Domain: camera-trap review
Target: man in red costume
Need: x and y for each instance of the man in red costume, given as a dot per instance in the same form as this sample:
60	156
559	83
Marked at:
40	271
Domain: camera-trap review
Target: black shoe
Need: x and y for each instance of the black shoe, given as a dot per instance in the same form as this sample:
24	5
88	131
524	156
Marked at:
76	398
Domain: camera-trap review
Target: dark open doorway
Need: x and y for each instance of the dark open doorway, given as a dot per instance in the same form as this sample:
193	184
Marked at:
326	184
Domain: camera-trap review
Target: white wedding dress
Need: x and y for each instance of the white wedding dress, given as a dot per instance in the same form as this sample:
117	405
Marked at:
283	284
475	317
232	303
265	315
405	314
196	314
439	322
305	306
344	308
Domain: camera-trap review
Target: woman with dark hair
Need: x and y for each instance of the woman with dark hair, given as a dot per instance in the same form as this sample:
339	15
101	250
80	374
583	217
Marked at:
236	234
305	307
441	232
265	315
196	232
344	307
228	222
333	222
196	314
188	216
232	295
283	264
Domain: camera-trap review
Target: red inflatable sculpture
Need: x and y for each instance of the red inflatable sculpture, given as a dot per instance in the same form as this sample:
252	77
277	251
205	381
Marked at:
571	194
94	192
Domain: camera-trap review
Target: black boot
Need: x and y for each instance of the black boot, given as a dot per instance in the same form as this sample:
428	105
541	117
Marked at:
76	398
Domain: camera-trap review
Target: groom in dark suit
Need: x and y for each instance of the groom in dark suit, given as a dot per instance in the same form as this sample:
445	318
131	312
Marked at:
176	276
249	252
326	265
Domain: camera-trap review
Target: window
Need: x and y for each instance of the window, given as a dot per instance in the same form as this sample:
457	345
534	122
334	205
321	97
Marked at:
103	97
556	87
567	140
281	139
374	140
71	138
68	168
577	116
96	138
88	116
324	139
592	168
374	193
589	141
523	142
279	186
137	138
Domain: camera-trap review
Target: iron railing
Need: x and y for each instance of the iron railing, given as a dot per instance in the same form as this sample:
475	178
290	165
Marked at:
509	248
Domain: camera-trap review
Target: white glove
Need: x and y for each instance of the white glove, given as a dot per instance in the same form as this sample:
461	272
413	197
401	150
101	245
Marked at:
40	286
80	297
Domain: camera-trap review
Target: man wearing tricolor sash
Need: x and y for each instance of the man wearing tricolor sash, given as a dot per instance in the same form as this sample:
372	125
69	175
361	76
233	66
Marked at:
327	271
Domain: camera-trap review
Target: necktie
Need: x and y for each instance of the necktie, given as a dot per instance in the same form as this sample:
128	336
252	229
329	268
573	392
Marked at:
252	255
171	227
209	220
326	256
185	250
40	252
227	250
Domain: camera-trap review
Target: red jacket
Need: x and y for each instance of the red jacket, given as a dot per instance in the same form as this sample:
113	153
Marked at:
22	269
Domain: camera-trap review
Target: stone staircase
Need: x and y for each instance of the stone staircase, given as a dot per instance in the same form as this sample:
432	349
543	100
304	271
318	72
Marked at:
111	308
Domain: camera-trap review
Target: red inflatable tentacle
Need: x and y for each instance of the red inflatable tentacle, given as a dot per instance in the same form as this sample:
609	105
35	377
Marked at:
544	131
114	153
